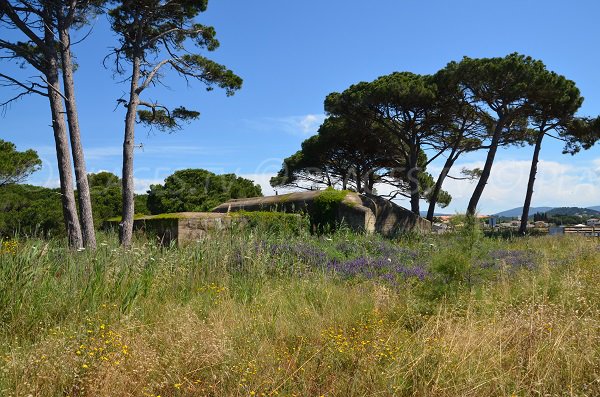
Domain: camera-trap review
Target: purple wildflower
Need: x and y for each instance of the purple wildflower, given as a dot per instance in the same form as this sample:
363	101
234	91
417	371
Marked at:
512	260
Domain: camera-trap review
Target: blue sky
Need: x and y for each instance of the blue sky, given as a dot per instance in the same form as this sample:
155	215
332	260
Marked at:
292	54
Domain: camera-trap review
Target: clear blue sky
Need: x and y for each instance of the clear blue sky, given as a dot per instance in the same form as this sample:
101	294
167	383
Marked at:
291	54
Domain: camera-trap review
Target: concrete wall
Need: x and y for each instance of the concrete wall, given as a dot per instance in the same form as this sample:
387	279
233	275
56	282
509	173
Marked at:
198	227
392	219
179	228
360	212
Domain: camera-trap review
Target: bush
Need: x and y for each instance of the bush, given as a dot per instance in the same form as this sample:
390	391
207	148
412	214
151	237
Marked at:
278	223
324	212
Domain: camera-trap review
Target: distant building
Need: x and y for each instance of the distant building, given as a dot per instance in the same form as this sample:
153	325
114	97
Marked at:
593	222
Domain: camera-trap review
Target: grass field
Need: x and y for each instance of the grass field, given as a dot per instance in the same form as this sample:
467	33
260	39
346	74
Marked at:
290	314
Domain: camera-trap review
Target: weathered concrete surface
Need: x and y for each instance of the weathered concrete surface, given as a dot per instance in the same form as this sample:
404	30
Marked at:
182	227
364	213
360	212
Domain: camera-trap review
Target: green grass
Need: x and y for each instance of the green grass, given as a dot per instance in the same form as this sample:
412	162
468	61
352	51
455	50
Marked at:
252	312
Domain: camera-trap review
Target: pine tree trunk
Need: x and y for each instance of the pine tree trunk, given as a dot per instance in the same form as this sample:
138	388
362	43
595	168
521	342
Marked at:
413	180
62	148
438	185
532	174
370	183
359	185
126	226
85	202
487	169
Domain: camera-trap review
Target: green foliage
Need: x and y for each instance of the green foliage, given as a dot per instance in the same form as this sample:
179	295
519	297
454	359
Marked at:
141	204
159	19
574	211
150	27
426	185
197	190
581	133
36	211
212	73
30	211
344	152
411	116
325	208
105	193
504	84
166	120
106	196
560	219
16	166
456	265
274	223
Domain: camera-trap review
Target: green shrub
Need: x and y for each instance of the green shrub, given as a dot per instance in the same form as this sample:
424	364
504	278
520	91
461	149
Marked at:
278	223
323	214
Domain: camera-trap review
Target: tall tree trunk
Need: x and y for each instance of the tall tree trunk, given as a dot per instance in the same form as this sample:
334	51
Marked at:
62	148
359	184
487	169
126	226
532	174
368	181
85	202
413	180
439	183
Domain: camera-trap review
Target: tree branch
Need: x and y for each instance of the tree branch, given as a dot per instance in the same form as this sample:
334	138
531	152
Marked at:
151	75
8	9
20	53
28	89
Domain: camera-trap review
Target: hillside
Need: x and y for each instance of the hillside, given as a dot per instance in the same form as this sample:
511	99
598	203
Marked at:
519	210
516	212
573	211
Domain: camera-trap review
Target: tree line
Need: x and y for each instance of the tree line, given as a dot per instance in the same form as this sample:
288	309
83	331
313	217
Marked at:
36	211
153	36
389	130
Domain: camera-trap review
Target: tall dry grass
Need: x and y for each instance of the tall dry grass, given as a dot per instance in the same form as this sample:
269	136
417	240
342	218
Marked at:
225	318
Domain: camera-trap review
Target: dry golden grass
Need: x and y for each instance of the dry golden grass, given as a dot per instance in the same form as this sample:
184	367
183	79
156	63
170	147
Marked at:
533	333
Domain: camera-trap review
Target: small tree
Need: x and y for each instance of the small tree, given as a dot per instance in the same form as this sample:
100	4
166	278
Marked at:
153	35
16	166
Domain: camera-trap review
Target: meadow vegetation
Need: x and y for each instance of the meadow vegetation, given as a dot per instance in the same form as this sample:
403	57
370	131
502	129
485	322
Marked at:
271	312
